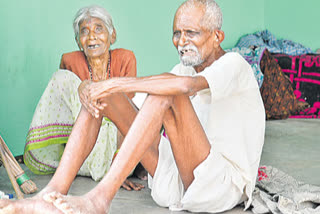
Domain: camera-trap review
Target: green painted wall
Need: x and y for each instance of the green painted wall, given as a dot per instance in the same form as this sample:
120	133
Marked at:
295	20
34	34
240	17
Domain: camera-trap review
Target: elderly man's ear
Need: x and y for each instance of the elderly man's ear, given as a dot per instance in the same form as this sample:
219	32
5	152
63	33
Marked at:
113	36
219	37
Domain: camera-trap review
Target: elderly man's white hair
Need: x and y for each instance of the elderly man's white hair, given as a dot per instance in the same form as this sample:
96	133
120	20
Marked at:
89	12
212	18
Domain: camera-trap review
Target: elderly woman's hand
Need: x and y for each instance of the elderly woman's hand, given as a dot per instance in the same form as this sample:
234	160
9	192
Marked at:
130	185
103	89
93	106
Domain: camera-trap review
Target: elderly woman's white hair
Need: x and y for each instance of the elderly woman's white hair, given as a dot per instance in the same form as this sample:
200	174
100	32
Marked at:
212	18
92	11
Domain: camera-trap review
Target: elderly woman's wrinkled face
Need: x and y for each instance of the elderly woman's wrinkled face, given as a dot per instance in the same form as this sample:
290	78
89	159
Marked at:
94	37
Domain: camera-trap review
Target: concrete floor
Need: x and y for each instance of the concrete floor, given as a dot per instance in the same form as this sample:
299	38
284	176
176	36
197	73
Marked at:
291	145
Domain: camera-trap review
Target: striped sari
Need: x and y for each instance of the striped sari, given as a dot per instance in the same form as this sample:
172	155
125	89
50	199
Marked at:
52	124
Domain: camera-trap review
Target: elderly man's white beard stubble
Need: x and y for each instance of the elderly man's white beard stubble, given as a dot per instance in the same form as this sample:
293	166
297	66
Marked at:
189	60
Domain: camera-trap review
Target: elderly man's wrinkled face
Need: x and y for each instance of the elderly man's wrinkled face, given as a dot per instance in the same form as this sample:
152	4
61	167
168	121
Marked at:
94	37
192	41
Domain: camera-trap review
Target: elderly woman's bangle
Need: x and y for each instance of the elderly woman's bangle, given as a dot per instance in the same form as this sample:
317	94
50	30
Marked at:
115	154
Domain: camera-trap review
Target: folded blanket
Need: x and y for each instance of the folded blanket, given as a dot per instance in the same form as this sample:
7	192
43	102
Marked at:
267	40
278	192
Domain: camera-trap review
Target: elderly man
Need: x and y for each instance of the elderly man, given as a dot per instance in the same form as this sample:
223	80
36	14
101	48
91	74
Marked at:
213	115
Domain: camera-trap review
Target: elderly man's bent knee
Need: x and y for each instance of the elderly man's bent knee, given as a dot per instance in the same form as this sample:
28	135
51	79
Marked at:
160	101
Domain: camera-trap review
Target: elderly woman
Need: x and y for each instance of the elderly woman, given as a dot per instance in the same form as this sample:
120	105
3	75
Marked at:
59	106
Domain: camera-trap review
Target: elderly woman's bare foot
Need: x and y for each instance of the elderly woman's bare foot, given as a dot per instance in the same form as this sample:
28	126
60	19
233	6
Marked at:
27	206
77	204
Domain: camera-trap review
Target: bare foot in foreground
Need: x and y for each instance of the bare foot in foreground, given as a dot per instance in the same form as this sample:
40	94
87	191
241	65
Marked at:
27	206
34	205
77	204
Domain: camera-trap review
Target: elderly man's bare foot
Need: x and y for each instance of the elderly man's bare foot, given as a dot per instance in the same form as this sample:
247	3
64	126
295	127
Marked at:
33	205
77	204
27	206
